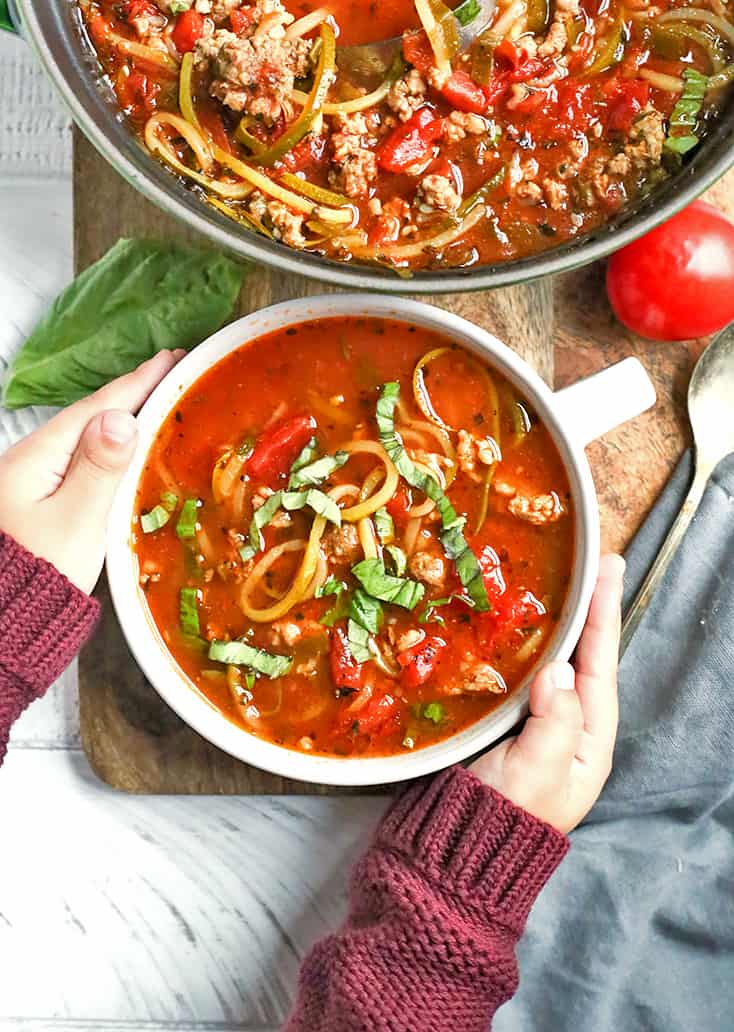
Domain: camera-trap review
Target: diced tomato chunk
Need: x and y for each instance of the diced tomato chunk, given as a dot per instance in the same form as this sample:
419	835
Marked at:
345	671
136	93
139	9
241	19
419	662
276	448
494	582
188	29
464	94
399	505
410	143
375	717
515	59
417	50
626	99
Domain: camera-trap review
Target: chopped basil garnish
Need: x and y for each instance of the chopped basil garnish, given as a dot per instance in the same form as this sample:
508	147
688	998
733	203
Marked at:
169	500
155	519
466	13
430	614
306	455
358	638
681	133
338	611
261	517
250	678
384	526
239	653
321	504
398	558
397	590
366	611
186	526
188	609
330	587
247	552
316	472
434	711
179	6
452	537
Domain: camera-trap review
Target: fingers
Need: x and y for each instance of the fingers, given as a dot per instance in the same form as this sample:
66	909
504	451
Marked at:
102	456
550	738
597	656
127	393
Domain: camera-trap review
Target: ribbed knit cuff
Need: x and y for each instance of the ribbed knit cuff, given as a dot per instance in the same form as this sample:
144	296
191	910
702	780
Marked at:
473	843
44	620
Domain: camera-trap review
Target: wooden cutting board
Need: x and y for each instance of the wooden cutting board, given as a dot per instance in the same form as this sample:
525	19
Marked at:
133	740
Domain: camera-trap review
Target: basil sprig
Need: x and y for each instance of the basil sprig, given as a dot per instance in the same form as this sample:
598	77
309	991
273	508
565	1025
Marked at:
239	653
186	525
314	473
452	535
684	116
398	591
188	610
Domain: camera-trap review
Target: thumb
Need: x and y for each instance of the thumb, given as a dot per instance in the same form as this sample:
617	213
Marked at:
101	457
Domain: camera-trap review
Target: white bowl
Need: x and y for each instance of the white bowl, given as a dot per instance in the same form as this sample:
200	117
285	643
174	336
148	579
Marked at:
574	417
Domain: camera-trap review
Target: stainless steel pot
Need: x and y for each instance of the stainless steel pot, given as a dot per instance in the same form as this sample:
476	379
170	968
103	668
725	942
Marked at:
57	33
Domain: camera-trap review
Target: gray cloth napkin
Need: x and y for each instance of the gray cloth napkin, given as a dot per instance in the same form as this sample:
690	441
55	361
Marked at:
635	931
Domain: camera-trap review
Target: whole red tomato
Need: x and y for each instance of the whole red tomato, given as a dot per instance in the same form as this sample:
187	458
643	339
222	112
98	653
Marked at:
676	282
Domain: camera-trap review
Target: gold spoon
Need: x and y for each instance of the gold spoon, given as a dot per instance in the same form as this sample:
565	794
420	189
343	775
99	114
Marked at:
711	412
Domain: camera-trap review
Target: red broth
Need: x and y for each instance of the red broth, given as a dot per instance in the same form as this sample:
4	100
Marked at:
447	650
554	122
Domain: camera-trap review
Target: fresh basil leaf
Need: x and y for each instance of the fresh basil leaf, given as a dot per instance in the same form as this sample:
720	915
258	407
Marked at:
337	612
397	590
452	537
155	519
366	611
239	653
330	587
316	472
306	455
321	504
358	638
262	516
169	500
434	711
188	611
186	526
466	13
141	297
399	559
247	552
684	116
435	603
384	526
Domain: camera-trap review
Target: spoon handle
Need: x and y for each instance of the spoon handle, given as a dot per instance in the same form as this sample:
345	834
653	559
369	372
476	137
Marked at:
657	571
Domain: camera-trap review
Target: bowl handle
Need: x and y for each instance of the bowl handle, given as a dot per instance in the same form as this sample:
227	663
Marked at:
591	407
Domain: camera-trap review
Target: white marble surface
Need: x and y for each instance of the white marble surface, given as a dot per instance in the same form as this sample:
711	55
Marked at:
117	912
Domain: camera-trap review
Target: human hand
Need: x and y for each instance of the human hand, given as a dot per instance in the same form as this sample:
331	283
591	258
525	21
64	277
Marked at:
557	765
57	484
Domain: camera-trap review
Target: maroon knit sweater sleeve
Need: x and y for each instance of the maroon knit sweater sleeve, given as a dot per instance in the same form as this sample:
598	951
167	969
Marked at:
438	904
44	621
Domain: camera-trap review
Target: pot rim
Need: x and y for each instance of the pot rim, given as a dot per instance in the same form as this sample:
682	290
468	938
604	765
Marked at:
179	692
100	122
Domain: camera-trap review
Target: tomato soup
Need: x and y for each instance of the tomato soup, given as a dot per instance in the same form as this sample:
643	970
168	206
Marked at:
354	537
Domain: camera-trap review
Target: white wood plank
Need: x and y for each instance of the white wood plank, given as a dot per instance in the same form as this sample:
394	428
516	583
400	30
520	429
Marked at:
161	911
